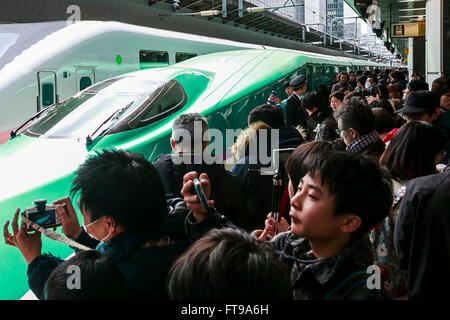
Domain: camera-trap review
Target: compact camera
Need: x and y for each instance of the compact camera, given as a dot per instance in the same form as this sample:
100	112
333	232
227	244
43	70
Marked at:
42	214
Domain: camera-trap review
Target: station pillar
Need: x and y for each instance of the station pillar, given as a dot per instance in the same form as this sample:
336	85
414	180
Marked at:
434	40
416	56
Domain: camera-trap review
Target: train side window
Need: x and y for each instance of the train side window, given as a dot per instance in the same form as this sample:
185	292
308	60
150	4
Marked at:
153	59
48	94
85	82
181	56
169	100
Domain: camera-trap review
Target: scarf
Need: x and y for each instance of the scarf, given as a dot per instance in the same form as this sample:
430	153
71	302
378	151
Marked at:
363	141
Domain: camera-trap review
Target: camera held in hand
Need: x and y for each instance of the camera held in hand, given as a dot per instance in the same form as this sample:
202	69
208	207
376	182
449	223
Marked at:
42	214
273	94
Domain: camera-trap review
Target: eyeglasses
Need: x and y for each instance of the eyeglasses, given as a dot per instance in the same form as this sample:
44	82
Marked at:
338	131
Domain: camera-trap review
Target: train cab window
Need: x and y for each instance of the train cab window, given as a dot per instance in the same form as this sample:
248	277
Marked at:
47	94
153	59
181	56
171	98
85	82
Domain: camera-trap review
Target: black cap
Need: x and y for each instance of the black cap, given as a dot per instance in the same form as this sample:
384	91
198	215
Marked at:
417	85
420	101
297	82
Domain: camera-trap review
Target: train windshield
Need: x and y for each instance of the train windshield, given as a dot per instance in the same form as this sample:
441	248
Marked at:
92	112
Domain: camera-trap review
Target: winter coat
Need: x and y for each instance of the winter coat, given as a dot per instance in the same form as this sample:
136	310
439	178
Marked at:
319	279
295	114
226	191
422	237
326	125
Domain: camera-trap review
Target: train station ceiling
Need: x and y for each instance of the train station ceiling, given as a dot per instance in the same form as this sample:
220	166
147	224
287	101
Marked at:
251	17
390	12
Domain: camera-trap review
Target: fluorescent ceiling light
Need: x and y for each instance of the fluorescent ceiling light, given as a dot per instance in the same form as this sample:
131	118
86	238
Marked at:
412	9
415	16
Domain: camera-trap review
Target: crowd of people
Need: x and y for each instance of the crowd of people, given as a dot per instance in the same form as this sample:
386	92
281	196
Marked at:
365	187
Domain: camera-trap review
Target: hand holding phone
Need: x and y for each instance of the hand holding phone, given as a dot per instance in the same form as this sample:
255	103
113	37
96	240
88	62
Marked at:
195	194
200	193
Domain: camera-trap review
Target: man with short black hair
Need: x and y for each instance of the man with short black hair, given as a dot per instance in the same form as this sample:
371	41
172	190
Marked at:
356	127
124	210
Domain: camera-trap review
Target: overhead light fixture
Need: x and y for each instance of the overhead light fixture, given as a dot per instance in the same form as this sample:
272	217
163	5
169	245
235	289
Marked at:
256	9
206	13
412	9
414	16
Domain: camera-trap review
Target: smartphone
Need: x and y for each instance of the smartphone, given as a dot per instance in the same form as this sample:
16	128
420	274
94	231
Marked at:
201	195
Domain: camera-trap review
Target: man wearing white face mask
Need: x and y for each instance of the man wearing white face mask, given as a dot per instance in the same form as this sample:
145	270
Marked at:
125	215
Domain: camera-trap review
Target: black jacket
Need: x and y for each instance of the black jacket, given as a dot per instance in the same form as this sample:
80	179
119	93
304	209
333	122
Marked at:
145	268
295	114
319	280
326	125
226	190
338	86
422	236
258	188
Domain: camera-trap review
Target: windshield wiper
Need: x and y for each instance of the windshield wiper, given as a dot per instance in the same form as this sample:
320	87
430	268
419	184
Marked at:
13	133
116	114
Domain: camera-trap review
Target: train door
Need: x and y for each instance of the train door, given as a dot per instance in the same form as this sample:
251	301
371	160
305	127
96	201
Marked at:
47	89
85	77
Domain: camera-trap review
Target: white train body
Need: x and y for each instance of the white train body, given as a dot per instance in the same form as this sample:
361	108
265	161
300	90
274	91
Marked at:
75	56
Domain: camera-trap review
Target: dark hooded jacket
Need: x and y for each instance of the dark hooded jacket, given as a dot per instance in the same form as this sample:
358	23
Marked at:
422	236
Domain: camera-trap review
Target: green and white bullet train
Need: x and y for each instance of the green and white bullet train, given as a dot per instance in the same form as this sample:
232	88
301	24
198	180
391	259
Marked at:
44	63
135	112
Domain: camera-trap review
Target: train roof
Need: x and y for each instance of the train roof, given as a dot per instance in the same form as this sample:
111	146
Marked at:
230	62
32	42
